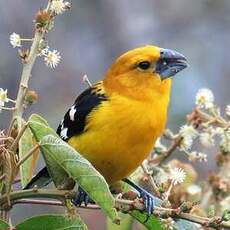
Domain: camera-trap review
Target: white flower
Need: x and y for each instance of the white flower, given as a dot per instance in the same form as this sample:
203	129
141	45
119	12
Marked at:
52	58
202	157
186	143
194	189
177	175
59	6
192	156
205	98
206	139
227	110
225	142
3	97
188	131
195	156
15	40
168	223
218	131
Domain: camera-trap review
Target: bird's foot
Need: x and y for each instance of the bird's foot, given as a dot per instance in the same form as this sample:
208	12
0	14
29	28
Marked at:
82	197
148	199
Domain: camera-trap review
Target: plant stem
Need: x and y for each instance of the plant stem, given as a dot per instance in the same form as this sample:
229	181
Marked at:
14	145
39	193
120	204
51	202
151	181
7	109
30	153
159	159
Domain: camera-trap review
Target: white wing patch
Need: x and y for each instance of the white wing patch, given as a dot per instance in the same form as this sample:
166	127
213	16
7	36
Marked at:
63	133
72	113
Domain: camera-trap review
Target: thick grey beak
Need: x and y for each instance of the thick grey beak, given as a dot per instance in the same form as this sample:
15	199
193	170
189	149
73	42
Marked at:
170	63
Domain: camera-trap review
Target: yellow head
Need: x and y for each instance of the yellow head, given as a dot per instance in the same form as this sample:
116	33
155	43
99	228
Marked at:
144	72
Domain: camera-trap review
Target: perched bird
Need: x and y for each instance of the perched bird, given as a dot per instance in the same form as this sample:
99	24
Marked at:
115	123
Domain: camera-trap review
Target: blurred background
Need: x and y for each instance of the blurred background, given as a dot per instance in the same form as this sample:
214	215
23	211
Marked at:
93	33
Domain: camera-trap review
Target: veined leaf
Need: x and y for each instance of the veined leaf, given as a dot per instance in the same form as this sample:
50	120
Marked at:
82	171
64	162
52	222
150	222
39	127
26	143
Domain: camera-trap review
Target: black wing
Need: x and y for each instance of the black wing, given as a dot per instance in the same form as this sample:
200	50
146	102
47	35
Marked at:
75	119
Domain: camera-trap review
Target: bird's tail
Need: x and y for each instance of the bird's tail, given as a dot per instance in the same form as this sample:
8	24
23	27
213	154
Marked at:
40	180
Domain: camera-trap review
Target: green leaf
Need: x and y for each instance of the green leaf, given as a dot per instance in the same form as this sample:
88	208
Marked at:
82	171
64	162
126	223
4	225
26	143
39	127
52	222
150	222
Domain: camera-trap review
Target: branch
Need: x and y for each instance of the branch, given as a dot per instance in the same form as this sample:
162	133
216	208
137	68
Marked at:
154	187
30	153
37	193
14	145
27	69
51	202
160	158
120	204
199	116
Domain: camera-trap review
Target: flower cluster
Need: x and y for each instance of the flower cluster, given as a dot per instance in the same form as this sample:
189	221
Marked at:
197	156
51	57
225	142
59	6
205	98
188	133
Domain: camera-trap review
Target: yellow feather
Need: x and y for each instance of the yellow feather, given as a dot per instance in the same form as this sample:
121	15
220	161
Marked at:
122	131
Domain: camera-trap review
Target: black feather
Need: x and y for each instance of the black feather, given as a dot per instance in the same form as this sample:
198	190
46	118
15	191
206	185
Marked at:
84	104
41	179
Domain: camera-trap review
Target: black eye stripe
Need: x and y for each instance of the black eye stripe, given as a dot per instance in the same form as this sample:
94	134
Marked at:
144	65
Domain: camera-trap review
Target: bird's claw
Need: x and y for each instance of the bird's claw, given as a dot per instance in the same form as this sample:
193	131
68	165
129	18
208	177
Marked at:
148	199
149	202
82	197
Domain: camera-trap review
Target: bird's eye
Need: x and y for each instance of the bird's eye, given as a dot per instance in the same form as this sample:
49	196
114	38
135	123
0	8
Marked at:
144	65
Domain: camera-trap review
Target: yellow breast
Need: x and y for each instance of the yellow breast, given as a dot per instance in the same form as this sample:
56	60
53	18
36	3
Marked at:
120	134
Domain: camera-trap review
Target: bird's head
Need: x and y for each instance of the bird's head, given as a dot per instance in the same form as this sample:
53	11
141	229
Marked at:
144	72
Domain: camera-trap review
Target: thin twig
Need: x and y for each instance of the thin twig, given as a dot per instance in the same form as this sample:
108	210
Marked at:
86	80
160	158
52	202
30	153
13	147
155	189
7	108
197	114
2	177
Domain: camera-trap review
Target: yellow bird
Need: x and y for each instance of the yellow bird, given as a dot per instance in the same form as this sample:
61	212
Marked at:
115	123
